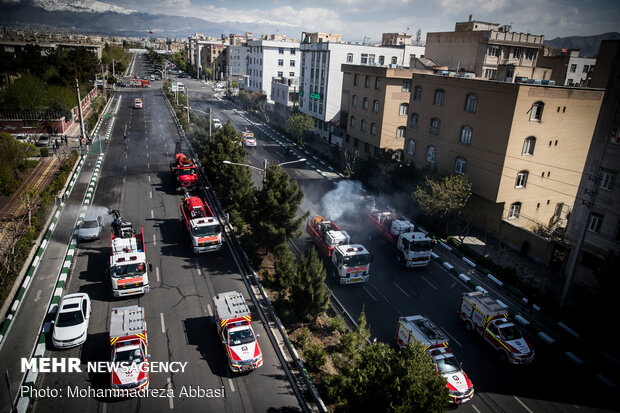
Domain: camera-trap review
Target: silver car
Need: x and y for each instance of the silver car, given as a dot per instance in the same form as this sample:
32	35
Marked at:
71	322
90	228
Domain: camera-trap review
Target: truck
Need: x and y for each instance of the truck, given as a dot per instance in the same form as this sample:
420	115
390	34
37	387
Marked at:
488	318
184	172
234	327
139	82
413	247
204	229
420	329
326	234
350	264
129	351
129	269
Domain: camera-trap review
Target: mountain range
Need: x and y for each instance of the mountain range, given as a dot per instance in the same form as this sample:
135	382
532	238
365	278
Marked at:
98	18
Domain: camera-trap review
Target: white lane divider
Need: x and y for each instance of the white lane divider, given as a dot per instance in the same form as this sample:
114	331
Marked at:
401	290
163	325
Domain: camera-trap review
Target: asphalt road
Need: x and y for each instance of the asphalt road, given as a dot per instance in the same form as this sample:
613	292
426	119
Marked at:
135	180
552	383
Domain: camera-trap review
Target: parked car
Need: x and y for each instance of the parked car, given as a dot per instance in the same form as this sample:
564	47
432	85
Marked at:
90	228
120	83
217	124
43	141
71	323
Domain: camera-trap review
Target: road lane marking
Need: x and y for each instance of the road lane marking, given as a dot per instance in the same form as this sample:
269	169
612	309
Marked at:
154	240
38	297
428	282
369	293
401	290
169	386
209	309
232	386
523	404
163	326
151	194
149	178
152	214
157	273
475	408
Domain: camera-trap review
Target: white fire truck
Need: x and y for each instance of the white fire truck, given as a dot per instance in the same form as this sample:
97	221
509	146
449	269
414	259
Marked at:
418	328
129	345
489	318
351	264
204	229
234	326
128	266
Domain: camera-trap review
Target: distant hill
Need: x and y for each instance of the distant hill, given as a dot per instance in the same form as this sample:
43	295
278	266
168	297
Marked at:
587	45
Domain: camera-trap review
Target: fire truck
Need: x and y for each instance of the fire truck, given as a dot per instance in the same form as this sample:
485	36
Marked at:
234	326
414	247
420	329
129	345
488	318
326	234
128	266
183	170
139	83
205	231
350	264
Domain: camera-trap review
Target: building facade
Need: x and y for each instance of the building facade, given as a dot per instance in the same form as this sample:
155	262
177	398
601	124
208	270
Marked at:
375	101
522	146
567	67
270	59
481	48
238	61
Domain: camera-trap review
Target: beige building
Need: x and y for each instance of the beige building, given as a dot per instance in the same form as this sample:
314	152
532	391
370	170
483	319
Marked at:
396	39
485	49
523	146
374	108
321	37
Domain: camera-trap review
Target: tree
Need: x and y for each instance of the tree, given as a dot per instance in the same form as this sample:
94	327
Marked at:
299	123
309	293
284	266
275	216
13	154
353	341
389	380
443	196
24	94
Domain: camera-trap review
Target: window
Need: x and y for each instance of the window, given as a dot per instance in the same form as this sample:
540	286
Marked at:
292	63
460	166
377	83
435	125
493	50
414	120
400	132
356	142
394	60
375	106
381	60
373	128
371	59
530	53
586	68
438	97
607	179
521	179
363	125
404	109
280	74
281	50
573	68
349	57
280	62
366	147
291	74
517	52
356	80
354	101
406	86
536	111
490	73
367	82
364	59
417	93
292	51
595	222
365	104
466	132
471	103
515	210
411	147
430	154
352	121
528	146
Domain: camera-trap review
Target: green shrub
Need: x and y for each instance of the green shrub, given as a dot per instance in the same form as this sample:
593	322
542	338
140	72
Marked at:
337	323
303	336
45	152
315	356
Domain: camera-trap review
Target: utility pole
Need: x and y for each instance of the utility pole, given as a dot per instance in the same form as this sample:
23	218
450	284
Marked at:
264	171
79	105
209	121
187	103
113	71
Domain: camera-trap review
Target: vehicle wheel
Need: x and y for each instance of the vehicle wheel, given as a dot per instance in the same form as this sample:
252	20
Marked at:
468	326
503	356
399	259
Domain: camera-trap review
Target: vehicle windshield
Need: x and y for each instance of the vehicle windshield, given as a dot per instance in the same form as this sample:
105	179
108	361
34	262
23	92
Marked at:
239	337
511	333
448	365
207	230
421	246
90	224
69	318
354	260
190	171
131	356
121	271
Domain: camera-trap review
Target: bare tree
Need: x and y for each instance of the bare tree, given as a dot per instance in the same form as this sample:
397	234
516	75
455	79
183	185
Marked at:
30	199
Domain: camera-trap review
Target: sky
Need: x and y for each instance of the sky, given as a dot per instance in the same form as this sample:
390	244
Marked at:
357	19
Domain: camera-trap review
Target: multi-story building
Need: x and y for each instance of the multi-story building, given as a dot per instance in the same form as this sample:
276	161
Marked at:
567	67
270	59
285	95
396	39
522	146
484	49
238	61
375	102
321	76
596	214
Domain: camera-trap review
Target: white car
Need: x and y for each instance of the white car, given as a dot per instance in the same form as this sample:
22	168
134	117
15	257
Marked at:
90	228
217	124
71	323
248	139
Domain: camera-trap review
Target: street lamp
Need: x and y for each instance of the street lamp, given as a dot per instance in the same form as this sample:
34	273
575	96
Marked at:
262	170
